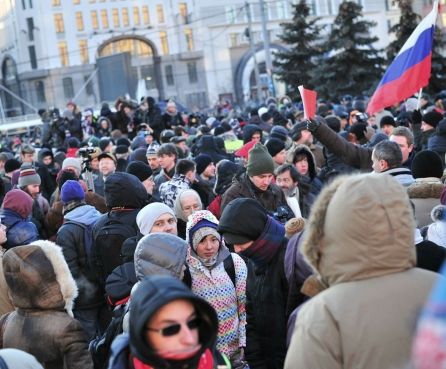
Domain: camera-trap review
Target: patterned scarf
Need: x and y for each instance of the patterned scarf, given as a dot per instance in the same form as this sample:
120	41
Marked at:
266	246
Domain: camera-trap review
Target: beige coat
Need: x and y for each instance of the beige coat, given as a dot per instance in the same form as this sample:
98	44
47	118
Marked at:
360	242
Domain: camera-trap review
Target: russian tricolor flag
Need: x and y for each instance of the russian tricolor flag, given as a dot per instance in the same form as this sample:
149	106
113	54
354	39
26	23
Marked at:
411	68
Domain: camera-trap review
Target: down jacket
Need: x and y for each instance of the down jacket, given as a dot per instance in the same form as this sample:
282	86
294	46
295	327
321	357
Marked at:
367	291
42	291
19	231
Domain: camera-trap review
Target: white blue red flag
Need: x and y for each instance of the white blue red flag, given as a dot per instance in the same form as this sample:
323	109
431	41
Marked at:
411	68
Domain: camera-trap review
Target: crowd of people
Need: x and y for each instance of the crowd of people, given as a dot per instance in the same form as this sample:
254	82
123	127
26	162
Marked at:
147	239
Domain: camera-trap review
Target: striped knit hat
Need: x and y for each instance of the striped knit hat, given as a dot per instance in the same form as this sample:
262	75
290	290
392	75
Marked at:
28	175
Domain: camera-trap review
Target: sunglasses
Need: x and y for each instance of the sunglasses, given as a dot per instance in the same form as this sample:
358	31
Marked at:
174	329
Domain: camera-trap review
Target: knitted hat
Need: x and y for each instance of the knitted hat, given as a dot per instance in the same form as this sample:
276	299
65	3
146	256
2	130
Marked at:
296	130
122	149
226	126
72	162
72	191
171	104
432	118
73	143
152	149
202	229
262	111
202	162
139	155
274	146
19	201
293	226
219	130
279	132
266	117
123	141
27	149
259	161
244	150
28	175
148	215
140	170
103	144
387	120
11	165
427	163
94	141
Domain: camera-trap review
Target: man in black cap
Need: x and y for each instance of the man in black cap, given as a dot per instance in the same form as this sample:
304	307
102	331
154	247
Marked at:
259	238
276	149
144	174
122	152
429	124
105	145
387	124
107	166
205	179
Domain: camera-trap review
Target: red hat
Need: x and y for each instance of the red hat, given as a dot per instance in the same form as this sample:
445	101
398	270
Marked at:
243	151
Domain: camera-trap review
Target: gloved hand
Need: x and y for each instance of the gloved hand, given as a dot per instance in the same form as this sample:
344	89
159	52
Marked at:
313	125
416	116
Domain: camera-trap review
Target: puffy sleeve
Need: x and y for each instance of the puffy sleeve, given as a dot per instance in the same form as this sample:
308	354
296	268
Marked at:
241	272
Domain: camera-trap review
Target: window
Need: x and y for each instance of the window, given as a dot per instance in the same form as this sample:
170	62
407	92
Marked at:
136	19
79	21
76	2
115	18
58	22
63	53
169	75
233	39
104	18
30	23
56	2
192	72
68	88
145	14
281	10
159	10
40	91
89	87
94	19
125	17
230	14
196	101
30	4
266	11
189	39
163	40
23	4
83	51
32	57
183	12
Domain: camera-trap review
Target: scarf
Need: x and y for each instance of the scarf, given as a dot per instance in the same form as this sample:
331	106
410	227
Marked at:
206	361
209	263
266	246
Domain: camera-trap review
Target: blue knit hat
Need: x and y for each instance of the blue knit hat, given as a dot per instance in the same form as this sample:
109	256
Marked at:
72	191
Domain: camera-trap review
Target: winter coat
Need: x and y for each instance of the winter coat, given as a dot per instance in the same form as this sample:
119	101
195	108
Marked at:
271	198
46	129
367	291
54	217
424	139
154	119
215	286
358	157
19	231
402	175
99	185
5	300
170	190
425	195
318	153
204	189
207	144
71	238
438	144
171	121
47	186
75	127
43	290
161	178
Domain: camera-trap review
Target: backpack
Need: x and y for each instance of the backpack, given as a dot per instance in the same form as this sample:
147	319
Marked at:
110	238
87	234
228	264
120	283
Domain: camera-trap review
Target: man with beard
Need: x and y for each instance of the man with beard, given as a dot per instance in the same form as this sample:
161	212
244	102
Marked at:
107	166
297	192
29	181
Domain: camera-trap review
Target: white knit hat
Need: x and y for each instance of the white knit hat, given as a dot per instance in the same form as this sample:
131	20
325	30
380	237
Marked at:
148	215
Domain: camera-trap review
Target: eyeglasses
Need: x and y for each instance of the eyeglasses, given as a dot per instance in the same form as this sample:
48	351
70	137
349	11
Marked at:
174	329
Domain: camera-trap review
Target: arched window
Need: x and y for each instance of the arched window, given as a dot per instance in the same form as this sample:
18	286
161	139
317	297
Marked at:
137	48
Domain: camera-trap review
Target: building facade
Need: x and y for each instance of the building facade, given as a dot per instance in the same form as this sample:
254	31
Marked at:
194	51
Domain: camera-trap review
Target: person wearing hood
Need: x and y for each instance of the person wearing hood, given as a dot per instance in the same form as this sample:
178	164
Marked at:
207	144
211	281
261	240
125	206
172	117
303	159
170	327
154	117
251	132
186	203
74	237
375	276
105	127
47	158
72	125
43	293
17	207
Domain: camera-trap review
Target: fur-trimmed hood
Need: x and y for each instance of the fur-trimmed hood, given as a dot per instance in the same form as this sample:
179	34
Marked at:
302	149
38	277
360	227
425	188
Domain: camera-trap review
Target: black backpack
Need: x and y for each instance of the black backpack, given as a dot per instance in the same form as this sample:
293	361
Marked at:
228	263
110	238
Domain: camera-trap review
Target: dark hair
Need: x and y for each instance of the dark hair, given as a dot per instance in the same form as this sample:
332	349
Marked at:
294	173
184	166
390	152
167	149
300	157
179	130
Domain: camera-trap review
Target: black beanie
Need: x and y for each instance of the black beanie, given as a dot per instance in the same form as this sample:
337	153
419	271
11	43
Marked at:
11	165
73	142
122	149
219	131
123	141
140	170
202	162
266	117
427	163
254	112
274	146
104	143
234	226
432	118
387	120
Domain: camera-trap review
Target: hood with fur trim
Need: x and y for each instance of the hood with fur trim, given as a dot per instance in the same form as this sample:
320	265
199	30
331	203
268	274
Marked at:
302	149
38	277
360	227
425	188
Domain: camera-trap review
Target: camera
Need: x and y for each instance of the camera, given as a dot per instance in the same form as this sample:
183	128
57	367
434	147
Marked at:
86	151
362	117
281	214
